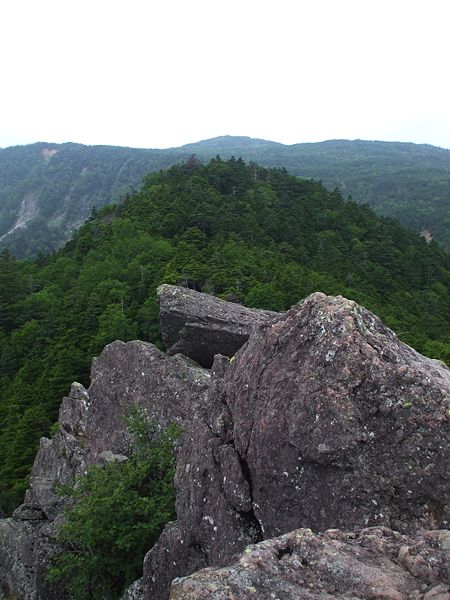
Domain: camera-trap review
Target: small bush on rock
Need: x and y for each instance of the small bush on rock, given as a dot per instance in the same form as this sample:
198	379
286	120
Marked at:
118	513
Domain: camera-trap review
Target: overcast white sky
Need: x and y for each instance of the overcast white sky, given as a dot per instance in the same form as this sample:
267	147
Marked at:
160	73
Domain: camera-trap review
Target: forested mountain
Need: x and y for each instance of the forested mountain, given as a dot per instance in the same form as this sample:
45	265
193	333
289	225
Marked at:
48	190
246	233
407	182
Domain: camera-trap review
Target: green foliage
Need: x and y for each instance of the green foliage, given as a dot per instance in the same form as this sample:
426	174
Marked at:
403	181
242	232
61	184
265	295
118	513
113	325
57	186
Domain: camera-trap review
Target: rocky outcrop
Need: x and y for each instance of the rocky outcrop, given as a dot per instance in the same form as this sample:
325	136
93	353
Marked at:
92	429
92	424
201	326
337	423
58	460
324	419
374	564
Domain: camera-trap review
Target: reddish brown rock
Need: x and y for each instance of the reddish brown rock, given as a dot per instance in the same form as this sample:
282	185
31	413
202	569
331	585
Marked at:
324	419
375	564
338	423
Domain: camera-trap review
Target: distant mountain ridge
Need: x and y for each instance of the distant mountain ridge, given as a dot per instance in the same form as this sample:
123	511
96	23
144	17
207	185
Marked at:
47	190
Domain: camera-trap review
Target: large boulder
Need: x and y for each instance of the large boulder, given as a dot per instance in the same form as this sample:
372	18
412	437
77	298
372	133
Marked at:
374	564
324	419
339	424
201	326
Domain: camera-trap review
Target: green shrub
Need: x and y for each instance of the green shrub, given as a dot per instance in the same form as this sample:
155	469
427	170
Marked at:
118	513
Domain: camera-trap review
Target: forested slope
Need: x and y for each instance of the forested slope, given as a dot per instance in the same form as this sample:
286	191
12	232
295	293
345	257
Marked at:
51	188
48	190
258	236
408	182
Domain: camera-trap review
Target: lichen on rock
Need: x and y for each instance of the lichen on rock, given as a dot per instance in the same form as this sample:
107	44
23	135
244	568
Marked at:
375	563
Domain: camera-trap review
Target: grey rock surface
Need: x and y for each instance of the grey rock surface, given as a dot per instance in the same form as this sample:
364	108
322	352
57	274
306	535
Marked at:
92	429
92	425
58	460
172	553
374	564
324	419
25	550
169	388
200	326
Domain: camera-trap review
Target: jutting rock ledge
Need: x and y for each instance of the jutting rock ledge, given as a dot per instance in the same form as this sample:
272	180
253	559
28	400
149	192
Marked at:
201	326
314	463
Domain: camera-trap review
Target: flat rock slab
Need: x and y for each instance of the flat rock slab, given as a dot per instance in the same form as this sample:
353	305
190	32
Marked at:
375	564
200	326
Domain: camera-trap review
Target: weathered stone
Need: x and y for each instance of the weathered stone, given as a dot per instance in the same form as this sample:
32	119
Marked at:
335	565
58	460
107	456
25	551
92	426
92	429
173	551
137	374
323	419
338	423
201	326
136	591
